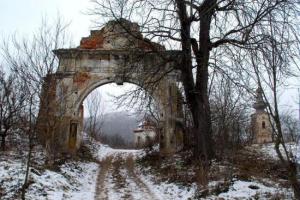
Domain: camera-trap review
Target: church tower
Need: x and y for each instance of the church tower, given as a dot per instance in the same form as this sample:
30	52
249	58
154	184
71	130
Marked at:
261	127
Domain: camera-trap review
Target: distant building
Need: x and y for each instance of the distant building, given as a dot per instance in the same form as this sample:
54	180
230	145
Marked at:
145	134
260	123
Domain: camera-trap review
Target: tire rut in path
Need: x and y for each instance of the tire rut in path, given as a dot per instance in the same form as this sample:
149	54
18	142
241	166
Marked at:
122	173
101	190
129	164
120	179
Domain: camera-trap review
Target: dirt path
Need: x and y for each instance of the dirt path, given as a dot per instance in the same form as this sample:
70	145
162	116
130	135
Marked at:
117	179
101	190
147	194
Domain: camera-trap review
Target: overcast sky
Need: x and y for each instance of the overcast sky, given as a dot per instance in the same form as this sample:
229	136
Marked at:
24	17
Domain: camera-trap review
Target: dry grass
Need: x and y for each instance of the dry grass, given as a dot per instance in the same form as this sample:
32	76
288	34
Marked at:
178	168
251	164
243	164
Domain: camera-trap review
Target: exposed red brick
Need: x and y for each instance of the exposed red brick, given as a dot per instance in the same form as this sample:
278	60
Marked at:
81	77
94	41
91	43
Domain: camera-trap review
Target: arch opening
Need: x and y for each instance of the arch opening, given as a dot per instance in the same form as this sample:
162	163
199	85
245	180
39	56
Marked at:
115	115
103	83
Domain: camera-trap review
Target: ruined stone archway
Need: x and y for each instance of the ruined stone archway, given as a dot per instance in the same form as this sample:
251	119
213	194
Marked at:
116	53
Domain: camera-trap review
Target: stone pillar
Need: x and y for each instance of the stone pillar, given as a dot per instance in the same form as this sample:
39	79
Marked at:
168	122
59	126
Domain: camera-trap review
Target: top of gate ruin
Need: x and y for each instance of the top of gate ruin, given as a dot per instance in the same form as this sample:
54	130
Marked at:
119	34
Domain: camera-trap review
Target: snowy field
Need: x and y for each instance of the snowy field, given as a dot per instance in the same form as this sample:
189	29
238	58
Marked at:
74	180
116	176
269	150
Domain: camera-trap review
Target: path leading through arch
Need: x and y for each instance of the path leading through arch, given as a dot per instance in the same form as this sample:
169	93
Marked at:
118	179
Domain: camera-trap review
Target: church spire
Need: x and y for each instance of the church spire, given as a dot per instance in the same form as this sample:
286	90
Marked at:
259	105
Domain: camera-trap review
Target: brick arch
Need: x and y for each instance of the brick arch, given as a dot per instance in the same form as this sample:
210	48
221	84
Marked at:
96	62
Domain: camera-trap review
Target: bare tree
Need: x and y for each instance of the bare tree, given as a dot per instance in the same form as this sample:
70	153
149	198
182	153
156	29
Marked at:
95	110
273	63
12	102
28	119
32	58
291	128
208	32
230	106
33	62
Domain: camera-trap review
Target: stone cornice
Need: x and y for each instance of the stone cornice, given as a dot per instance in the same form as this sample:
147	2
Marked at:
77	52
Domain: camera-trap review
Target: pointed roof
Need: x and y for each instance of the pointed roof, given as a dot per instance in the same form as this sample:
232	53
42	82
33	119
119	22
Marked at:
260	104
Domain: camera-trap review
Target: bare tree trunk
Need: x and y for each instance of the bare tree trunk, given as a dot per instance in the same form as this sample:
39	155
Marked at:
3	136
202	58
289	162
30	132
293	178
202	126
196	93
26	183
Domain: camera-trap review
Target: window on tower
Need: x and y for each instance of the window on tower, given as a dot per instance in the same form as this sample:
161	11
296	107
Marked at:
263	124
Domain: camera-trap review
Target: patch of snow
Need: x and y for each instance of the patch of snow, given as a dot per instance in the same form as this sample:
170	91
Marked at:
101	151
169	191
76	180
12	175
269	150
242	189
253	190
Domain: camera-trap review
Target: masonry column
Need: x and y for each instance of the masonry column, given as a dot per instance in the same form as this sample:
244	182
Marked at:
168	123
52	122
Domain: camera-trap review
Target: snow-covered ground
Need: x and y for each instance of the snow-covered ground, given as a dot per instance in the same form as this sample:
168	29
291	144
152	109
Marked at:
269	150
115	175
253	190
76	180
101	151
11	177
144	184
169	191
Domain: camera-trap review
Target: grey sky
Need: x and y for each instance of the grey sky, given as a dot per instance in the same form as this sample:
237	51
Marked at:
24	17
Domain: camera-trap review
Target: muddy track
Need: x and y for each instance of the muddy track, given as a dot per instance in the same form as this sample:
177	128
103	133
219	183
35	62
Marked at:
142	186
120	179
101	190
117	179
